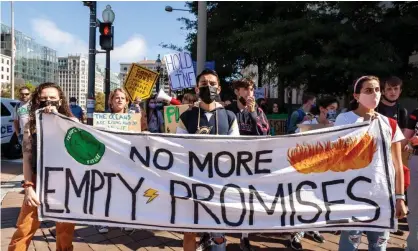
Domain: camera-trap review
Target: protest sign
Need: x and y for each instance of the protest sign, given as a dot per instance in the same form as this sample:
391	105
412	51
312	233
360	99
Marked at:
172	115
140	82
180	70
122	122
259	92
335	178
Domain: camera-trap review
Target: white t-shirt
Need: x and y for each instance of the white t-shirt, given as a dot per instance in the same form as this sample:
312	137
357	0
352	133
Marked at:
21	113
351	118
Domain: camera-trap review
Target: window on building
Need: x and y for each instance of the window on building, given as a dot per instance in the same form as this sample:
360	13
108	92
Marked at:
125	68
7	77
2	76
7	69
7	62
2	61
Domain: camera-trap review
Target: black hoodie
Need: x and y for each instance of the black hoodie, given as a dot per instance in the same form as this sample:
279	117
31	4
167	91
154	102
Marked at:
250	123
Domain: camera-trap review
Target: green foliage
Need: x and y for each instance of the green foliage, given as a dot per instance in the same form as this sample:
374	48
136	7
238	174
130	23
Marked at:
325	45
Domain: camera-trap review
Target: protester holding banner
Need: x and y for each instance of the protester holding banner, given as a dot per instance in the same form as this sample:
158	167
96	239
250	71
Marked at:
300	115
366	98
154	116
325	112
50	98
251	121
251	118
411	135
209	117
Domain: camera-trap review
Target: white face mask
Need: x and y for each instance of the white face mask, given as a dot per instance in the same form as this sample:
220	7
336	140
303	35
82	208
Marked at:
72	103
369	101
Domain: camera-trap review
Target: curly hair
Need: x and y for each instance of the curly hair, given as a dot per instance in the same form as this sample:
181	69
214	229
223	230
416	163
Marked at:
35	103
112	94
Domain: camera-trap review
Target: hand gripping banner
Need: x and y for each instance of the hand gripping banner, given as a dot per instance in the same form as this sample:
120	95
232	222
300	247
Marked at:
330	179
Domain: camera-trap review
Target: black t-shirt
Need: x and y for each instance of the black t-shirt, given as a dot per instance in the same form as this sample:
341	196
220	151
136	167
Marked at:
413	123
395	112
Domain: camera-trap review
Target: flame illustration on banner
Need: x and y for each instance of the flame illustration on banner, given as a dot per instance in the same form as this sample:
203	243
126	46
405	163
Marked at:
340	156
151	194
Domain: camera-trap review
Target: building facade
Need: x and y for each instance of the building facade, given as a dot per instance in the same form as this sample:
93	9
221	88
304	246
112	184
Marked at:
73	77
33	62
5	72
114	81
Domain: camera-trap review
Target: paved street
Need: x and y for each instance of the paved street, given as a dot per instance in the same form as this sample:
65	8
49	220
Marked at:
87	238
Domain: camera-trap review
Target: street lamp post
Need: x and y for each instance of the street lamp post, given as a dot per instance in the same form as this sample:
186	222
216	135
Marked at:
108	17
92	62
158	63
201	32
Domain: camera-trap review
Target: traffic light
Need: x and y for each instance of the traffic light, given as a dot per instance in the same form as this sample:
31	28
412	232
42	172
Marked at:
106	36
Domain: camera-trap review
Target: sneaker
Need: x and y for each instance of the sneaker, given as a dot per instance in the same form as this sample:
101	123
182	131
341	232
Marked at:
316	236
245	245
204	243
129	230
295	242
103	229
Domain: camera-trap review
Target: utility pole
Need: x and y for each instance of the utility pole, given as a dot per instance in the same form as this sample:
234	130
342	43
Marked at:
91	102
13	56
201	36
107	79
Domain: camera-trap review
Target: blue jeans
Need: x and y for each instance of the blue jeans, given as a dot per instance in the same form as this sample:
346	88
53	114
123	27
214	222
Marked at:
350	240
218	247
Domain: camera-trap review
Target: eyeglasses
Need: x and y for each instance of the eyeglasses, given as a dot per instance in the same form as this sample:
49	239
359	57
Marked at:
24	94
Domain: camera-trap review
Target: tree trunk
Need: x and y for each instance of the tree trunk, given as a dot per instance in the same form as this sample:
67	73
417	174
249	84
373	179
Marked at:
260	73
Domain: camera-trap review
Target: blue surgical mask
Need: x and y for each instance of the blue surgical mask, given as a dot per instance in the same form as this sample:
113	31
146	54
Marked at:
152	106
332	115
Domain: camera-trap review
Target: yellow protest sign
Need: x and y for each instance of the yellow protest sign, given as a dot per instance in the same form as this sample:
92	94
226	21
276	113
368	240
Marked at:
172	115
140	82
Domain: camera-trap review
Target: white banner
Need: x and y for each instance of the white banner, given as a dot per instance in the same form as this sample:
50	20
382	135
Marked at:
329	179
180	70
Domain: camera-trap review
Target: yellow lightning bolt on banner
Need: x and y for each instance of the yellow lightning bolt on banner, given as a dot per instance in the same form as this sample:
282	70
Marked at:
151	194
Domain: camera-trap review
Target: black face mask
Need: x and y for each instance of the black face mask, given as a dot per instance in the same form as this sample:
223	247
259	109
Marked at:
208	93
46	103
388	100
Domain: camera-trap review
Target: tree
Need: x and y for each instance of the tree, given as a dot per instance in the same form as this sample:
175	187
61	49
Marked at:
6	89
100	102
324	45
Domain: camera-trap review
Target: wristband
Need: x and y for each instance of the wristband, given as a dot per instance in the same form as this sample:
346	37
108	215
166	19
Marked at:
27	184
400	197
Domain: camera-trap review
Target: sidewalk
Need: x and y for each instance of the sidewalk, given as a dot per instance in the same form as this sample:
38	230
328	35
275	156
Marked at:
87	237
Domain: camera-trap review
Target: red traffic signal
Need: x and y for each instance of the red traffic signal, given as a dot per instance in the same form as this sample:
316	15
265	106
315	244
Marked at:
105	29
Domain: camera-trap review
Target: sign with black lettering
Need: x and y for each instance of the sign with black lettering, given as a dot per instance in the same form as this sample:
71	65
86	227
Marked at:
329	179
180	70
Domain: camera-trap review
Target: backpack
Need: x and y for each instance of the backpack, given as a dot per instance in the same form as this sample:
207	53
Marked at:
406	172
301	115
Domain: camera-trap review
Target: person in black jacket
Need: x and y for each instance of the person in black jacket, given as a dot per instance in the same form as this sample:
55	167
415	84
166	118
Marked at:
250	117
251	121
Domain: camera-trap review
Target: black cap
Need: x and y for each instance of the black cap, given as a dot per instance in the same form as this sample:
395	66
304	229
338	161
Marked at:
73	99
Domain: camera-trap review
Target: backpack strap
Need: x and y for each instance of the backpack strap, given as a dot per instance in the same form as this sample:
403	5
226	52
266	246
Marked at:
392	124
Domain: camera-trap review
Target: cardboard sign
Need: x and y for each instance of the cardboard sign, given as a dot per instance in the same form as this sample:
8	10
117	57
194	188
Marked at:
123	122
172	115
180	70
309	127
337	180
140	82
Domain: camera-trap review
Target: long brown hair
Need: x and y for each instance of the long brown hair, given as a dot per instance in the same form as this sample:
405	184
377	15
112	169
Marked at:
35	103
112	94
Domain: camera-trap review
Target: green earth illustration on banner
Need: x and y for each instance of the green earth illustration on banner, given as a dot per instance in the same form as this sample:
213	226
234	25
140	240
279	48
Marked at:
83	146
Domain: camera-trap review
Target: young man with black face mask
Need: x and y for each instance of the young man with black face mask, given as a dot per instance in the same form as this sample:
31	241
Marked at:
209	117
389	104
